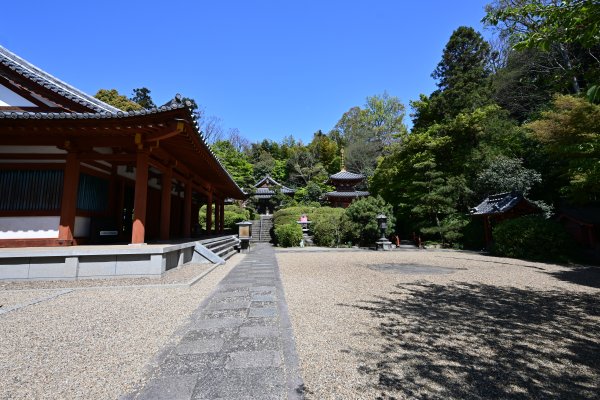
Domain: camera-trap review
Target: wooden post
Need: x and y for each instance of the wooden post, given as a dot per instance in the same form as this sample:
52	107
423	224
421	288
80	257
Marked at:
68	205
138	230
209	212
488	231
187	210
217	215
165	204
222	219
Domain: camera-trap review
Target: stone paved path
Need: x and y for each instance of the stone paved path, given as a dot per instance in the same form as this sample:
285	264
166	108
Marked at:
239	344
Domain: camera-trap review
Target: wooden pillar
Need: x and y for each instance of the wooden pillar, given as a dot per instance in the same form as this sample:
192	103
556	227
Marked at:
222	219
209	212
68	205
165	204
138	230
217	215
187	210
488	231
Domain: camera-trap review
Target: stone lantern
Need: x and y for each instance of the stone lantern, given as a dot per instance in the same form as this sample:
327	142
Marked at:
383	243
244	234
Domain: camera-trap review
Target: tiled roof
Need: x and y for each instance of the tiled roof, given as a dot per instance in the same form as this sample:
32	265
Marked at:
357	193
345	175
74	115
272	182
35	74
119	115
499	203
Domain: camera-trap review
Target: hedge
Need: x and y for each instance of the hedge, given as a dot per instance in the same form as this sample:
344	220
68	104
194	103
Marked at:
532	238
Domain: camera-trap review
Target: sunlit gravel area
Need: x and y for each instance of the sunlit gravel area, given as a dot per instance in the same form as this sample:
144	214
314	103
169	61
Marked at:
442	325
91	344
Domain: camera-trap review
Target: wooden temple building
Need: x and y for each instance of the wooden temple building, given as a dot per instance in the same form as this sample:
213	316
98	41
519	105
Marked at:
75	170
264	191
501	207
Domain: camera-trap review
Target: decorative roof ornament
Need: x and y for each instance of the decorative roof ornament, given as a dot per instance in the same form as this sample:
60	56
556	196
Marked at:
342	164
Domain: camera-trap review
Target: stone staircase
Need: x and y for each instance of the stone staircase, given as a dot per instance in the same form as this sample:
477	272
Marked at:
407	244
216	250
261	229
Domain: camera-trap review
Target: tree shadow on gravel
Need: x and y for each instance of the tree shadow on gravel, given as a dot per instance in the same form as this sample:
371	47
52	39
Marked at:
580	275
474	341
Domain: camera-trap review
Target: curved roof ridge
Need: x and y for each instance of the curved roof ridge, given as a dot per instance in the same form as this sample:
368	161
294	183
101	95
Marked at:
30	71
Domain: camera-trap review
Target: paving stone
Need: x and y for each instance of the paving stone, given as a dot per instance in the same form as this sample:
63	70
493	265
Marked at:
234	347
223	305
217	314
217	323
263	297
186	364
262	312
255	384
238	343
254	359
264	289
199	346
258	331
170	388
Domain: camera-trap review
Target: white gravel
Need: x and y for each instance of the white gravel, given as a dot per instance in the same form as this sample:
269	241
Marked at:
91	344
493	328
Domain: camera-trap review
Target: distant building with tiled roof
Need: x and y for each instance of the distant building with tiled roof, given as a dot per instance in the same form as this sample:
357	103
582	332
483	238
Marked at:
500	207
264	191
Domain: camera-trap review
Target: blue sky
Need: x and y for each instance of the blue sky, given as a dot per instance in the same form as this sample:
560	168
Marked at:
269	68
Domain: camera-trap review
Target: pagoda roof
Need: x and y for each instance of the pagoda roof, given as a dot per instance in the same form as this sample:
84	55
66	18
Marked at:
49	85
354	194
344	175
501	203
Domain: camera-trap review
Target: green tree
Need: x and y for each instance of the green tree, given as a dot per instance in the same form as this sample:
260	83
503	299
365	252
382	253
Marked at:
112	97
236	163
436	207
462	79
360	223
367	132
143	98
569	28
571	132
504	174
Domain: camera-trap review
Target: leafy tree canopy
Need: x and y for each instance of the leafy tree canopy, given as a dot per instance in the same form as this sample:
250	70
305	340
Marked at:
112	97
143	98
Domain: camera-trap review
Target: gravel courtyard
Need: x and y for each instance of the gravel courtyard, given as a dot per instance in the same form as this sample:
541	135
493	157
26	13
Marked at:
442	325
93	343
368	325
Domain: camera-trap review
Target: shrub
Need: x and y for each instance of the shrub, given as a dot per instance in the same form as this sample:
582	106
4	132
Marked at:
531	238
327	226
234	214
288	235
290	215
360	224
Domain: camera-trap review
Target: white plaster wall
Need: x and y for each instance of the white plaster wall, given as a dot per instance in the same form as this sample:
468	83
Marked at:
29	227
